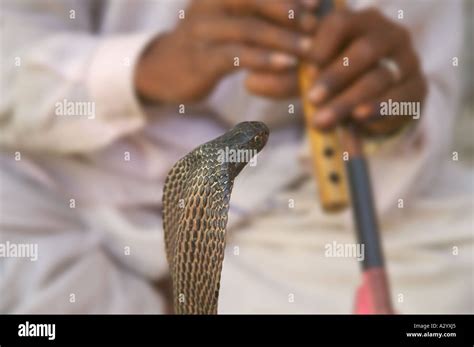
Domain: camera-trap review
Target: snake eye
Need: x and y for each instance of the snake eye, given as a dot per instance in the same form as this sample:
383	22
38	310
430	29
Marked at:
257	138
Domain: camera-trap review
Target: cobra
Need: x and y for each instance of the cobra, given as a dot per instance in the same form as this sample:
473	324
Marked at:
196	200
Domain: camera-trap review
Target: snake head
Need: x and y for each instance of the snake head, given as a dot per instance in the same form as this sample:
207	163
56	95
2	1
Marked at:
251	135
240	145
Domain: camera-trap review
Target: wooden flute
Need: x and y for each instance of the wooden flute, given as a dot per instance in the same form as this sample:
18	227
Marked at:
326	148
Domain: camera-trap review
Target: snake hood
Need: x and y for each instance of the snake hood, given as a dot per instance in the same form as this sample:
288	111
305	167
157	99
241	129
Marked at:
196	200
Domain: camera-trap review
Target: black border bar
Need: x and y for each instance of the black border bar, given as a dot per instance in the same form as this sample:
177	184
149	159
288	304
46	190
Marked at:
262	329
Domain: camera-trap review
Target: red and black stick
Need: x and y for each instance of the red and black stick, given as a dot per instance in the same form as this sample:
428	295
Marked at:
373	296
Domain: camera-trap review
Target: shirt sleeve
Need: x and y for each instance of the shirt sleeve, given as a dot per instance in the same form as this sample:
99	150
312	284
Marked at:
64	88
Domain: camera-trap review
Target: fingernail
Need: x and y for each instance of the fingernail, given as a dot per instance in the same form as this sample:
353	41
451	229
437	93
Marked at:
305	44
310	3
318	93
324	117
283	60
363	111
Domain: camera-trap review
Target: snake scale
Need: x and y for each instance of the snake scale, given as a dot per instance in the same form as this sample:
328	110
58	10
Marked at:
196	199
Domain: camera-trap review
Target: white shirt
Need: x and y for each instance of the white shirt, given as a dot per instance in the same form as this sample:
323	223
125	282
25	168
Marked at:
88	50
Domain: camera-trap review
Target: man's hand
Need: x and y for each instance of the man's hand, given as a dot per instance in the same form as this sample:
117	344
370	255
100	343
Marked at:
185	64
366	38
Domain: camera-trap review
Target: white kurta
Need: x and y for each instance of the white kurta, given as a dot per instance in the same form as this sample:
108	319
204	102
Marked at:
105	251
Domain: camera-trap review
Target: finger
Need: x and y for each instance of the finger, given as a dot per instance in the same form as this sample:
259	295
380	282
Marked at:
409	97
337	29
362	54
289	13
273	85
311	4
292	14
225	58
374	83
249	6
252	31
